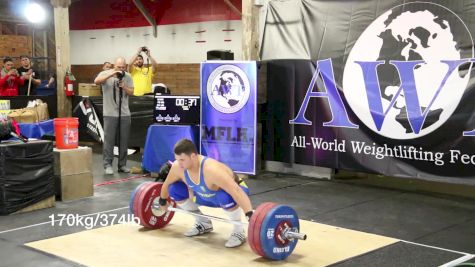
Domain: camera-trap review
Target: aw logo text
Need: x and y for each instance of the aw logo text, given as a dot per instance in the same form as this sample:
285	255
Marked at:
404	76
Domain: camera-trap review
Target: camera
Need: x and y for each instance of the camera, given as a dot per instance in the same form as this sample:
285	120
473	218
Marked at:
120	75
15	72
144	49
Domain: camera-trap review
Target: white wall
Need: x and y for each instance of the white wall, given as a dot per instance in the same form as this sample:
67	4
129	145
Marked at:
180	47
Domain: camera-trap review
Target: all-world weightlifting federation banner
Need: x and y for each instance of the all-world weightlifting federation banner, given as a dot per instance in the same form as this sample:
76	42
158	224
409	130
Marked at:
390	89
228	113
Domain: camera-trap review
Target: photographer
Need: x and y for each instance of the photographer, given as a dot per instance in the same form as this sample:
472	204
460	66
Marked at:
117	86
141	74
105	66
9	79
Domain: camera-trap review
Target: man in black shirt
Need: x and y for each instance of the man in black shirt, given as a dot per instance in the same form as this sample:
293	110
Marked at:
26	71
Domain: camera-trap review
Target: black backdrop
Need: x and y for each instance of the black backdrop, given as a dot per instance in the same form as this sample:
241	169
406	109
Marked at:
141	111
298	34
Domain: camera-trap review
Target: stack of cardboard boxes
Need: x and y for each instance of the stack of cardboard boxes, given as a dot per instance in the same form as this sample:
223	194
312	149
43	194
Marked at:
73	173
38	112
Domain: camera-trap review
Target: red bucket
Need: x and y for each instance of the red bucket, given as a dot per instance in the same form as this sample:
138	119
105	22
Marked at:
66	132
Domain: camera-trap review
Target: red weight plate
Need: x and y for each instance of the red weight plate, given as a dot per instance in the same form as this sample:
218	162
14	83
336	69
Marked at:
255	226
137	197
252	226
258	227
147	196
132	197
138	202
143	206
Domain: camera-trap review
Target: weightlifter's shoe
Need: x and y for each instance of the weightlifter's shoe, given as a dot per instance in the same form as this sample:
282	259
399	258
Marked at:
199	228
236	239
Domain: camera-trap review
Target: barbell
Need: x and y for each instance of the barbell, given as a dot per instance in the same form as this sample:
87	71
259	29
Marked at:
287	234
273	230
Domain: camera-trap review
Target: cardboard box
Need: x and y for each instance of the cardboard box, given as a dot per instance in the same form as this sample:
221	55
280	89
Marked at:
89	89
72	161
30	115
42	111
73	173
24	115
75	186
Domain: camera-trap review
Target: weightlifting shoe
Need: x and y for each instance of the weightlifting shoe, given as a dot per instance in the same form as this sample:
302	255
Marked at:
124	169
108	170
236	239
199	228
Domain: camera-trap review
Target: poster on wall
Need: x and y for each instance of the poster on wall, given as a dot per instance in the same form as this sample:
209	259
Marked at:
228	113
394	97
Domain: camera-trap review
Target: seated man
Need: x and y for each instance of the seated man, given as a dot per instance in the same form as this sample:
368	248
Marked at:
195	180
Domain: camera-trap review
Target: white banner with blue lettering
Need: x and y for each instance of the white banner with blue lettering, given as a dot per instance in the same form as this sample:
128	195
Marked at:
228	113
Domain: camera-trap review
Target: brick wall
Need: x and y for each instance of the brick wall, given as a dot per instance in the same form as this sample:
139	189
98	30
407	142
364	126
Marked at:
181	79
85	73
15	46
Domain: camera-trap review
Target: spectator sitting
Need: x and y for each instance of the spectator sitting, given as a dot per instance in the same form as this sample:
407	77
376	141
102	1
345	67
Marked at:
9	79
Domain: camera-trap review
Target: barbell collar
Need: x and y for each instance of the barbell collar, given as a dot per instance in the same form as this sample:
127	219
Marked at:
295	235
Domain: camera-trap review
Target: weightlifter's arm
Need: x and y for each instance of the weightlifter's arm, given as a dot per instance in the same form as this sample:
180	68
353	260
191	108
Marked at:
224	178
173	176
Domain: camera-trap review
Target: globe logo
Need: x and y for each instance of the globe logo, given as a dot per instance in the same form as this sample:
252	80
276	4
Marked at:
420	31
228	88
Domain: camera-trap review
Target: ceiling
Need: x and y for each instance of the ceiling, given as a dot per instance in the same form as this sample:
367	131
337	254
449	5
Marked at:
94	14
102	14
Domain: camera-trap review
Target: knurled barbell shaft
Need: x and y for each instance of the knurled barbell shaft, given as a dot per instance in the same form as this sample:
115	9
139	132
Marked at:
288	234
206	216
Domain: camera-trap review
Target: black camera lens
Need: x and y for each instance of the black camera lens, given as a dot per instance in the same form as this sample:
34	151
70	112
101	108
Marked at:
120	75
144	49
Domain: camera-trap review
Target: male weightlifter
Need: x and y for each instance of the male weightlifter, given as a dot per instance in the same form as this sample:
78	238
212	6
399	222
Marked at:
195	180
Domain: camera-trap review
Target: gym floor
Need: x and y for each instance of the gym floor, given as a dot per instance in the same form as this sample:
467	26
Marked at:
434	230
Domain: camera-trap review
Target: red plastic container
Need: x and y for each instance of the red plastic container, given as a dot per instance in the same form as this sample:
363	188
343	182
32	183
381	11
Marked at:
66	132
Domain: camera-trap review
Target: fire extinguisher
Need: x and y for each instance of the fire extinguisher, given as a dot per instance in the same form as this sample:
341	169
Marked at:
68	83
